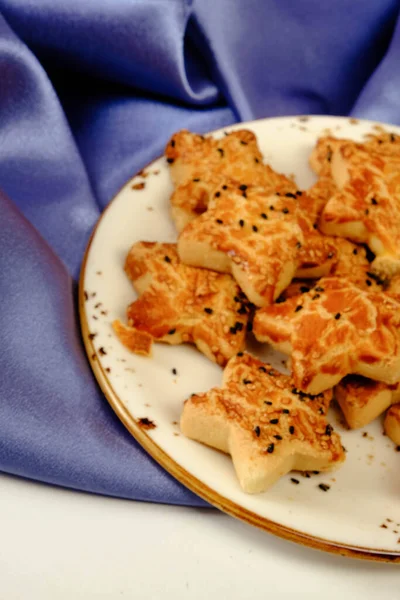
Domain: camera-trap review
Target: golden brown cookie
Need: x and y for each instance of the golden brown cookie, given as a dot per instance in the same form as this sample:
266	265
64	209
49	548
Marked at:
250	234
200	164
362	400
180	304
391	424
264	423
334	330
366	206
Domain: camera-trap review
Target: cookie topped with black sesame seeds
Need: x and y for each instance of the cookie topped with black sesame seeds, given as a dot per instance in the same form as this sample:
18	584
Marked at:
234	236
179	304
341	329
198	165
267	426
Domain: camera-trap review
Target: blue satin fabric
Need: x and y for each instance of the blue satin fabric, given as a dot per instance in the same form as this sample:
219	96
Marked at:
89	94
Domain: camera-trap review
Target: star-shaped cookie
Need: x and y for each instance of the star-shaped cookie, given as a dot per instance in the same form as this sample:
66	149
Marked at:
180	304
250	234
199	164
334	330
264	423
366	206
362	400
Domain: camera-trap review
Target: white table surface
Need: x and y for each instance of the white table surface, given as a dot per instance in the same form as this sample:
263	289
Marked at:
59	544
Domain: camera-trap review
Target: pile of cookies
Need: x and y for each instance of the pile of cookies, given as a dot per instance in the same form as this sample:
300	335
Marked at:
314	273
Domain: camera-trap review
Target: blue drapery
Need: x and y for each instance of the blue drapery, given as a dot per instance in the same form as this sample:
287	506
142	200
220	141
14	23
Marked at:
89	94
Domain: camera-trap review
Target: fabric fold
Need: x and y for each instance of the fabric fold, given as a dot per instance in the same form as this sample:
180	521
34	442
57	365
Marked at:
139	43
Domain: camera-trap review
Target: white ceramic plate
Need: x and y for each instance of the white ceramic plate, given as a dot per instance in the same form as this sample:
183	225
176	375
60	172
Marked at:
360	514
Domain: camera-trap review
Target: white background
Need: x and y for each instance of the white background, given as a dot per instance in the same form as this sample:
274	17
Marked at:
60	544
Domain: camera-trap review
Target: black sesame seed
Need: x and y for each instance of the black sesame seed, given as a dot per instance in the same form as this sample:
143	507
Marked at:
167	259
290	195
369	254
263	216
298	245
367	211
316	472
291	429
257	431
243	143
241	223
271	448
304	289
174	372
278	437
286	411
239	354
209	311
238	326
219	221
321	411
298	308
221	152
299	193
263	369
256	160
170	160
255	228
274	421
374	201
173	143
295	481
316	297
337	316
368	282
171	331
315	226
247	381
328	429
271	207
355	251
270	404
285	210
232	330
392	137
243	187
224	187
196	179
217	194
324	487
